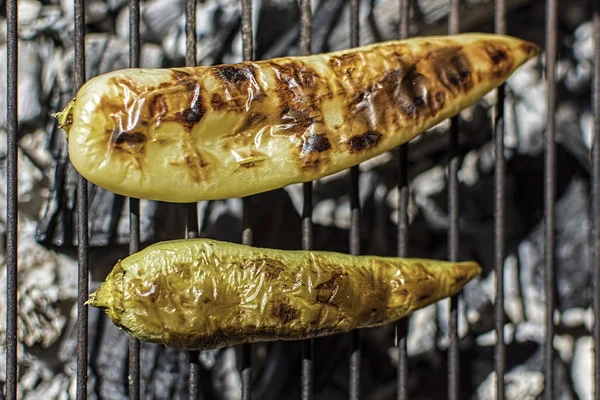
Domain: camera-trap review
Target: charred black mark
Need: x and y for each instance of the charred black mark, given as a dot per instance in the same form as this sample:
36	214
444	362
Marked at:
413	92
453	70
316	143
497	55
285	312
364	141
248	164
132	139
192	115
234	74
500	58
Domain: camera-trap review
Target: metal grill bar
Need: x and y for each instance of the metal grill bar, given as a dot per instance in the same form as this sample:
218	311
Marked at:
354	228
248	55
550	189
191	209
12	200
499	351
307	209
82	222
596	199
453	232
402	325
134	204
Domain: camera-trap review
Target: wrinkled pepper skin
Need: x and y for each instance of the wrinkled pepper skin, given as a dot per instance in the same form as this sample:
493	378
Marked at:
226	131
205	294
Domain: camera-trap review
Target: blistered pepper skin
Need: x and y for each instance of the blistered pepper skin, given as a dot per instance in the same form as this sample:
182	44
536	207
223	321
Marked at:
204	294
226	131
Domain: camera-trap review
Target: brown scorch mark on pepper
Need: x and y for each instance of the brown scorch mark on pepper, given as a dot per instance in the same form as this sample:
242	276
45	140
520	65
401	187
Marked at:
238	87
132	139
191	116
364	141
285	312
297	87
501	60
217	102
452	69
234	74
316	143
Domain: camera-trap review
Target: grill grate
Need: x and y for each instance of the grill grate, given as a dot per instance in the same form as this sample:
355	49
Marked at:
596	197
12	202
550	194
307	346
402	251
134	204
454	377
500	361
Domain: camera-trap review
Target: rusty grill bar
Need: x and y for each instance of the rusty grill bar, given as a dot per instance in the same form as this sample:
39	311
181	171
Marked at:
355	347
499	357
453	229
596	199
454	377
247	237
12	200
134	204
402	251
550	194
307	346
191	210
82	222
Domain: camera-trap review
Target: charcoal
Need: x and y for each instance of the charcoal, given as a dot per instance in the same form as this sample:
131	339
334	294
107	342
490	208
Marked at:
326	14
574	266
28	91
47	198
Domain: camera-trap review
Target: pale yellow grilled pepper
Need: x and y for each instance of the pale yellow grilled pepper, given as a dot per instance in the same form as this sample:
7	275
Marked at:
215	132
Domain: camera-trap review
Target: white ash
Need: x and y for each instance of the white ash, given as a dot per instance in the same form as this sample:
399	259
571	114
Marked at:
231	385
564	345
529	332
573	317
586	124
422	331
530	113
521	384
513	305
490	338
534	305
582	371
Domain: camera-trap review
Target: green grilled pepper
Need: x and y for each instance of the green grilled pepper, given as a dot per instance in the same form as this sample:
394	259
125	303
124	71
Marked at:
204	294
